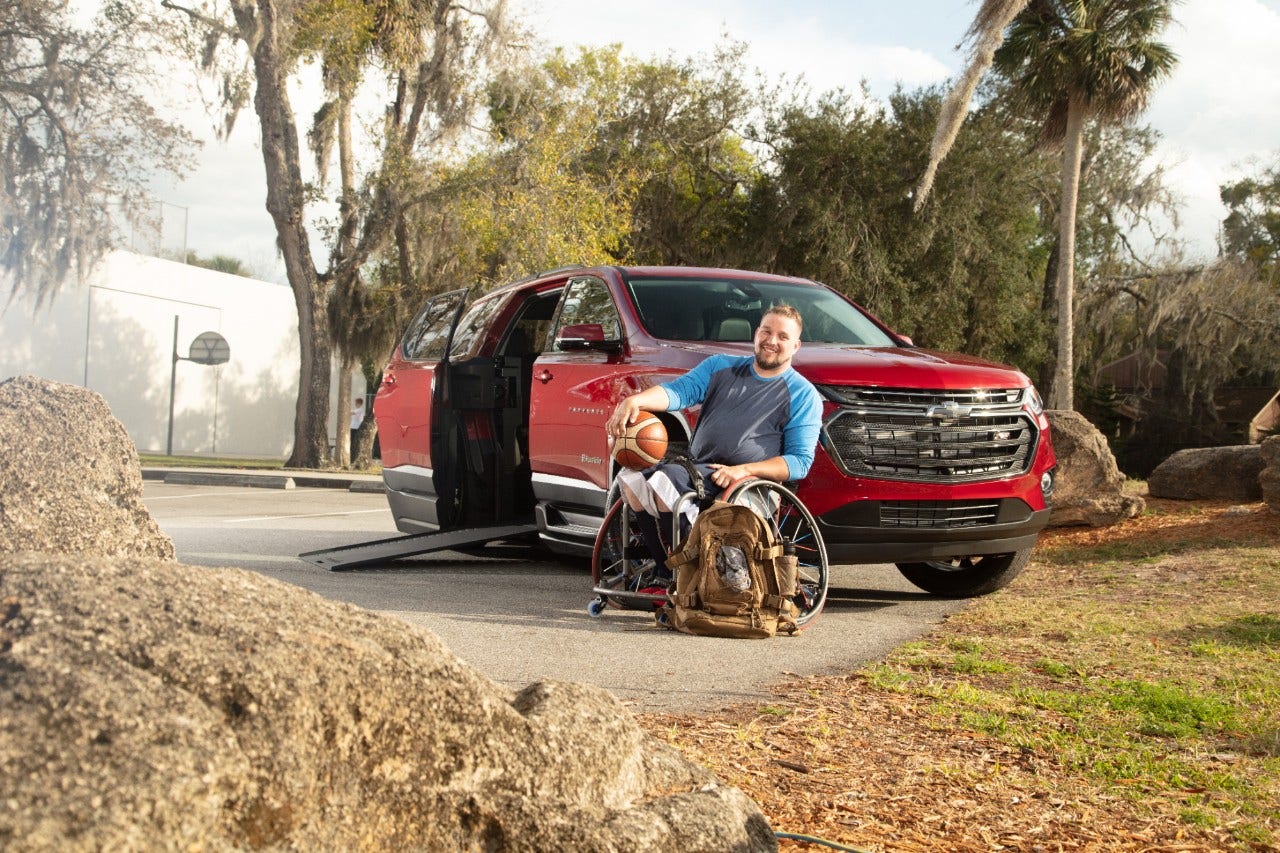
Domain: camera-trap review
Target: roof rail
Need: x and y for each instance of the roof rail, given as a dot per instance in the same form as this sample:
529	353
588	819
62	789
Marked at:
564	268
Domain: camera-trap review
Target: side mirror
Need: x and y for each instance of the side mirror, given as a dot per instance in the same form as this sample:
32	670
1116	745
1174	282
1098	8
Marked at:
905	341
585	336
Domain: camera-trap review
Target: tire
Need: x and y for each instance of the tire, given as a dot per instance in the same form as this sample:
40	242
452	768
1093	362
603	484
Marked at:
966	577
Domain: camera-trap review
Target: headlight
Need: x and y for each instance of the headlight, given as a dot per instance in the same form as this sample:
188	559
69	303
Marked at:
1034	403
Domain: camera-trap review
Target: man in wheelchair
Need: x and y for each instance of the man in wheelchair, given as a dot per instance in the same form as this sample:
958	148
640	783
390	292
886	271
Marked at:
759	418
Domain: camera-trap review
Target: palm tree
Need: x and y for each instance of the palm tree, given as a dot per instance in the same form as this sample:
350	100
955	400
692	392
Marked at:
1070	61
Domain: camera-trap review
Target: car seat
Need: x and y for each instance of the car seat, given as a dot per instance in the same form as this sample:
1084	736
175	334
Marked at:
734	329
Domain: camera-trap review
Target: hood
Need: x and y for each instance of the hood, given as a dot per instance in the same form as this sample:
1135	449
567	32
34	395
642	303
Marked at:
901	367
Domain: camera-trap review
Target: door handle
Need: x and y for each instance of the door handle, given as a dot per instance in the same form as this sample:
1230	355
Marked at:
545	376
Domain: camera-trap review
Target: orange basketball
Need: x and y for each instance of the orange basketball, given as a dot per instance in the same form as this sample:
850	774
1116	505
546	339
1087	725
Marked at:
644	444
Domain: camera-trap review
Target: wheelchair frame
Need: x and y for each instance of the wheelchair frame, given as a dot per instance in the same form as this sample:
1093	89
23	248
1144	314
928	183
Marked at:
621	564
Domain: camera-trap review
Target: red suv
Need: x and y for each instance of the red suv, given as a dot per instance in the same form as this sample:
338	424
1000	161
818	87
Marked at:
492	412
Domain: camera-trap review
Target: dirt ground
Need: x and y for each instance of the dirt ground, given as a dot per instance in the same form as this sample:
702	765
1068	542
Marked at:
841	759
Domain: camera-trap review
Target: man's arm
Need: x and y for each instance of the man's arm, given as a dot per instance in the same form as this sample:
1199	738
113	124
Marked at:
686	390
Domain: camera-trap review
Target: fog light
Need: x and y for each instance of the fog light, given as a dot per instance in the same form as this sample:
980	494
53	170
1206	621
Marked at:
1046	483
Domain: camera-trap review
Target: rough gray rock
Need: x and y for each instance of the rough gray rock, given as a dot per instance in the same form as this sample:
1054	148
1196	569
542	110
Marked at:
1089	485
145	704
148	704
1269	479
70	482
1209	473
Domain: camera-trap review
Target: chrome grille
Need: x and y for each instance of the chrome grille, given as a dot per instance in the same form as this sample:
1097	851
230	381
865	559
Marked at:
938	515
930	436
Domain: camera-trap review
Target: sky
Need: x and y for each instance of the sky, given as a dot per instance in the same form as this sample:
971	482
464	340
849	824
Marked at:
1218	115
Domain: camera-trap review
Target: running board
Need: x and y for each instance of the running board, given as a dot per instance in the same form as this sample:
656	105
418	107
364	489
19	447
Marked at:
382	550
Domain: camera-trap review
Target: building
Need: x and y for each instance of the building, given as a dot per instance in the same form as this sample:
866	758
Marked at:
116	335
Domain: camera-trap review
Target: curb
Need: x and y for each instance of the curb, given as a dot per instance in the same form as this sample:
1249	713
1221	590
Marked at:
255	481
266	479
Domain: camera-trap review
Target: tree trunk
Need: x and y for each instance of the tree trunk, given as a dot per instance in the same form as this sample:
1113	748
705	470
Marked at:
362	453
1063	392
347	280
342	454
285	200
1049	308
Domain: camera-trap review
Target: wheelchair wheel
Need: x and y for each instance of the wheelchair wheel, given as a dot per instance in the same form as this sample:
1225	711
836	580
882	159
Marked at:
791	521
622	569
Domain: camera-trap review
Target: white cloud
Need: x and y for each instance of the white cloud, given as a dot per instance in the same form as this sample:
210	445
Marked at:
1217	112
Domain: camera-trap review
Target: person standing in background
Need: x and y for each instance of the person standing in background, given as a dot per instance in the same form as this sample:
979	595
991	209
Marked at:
357	418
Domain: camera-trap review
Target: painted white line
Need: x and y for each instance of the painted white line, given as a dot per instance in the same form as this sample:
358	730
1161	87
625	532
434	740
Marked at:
307	515
240	558
203	495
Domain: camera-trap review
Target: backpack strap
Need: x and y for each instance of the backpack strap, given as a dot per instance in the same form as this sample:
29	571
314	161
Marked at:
695	476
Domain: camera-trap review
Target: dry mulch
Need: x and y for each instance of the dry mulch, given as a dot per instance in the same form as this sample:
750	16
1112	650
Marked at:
898	778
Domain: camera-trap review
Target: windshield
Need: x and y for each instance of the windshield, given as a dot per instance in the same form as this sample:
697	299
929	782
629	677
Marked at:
711	309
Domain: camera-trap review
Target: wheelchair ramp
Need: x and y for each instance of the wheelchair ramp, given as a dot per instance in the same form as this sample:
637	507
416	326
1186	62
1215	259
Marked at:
382	550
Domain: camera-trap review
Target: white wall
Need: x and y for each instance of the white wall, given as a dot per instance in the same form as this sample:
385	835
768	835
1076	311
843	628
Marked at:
115	336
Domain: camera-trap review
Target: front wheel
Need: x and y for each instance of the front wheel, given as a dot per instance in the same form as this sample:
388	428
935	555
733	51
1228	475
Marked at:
966	577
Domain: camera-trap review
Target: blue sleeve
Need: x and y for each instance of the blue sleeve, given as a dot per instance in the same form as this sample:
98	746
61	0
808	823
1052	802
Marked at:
800	438
691	389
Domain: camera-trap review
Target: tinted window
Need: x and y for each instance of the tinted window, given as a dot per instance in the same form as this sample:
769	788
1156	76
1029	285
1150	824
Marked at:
472	327
723	310
427	334
587	302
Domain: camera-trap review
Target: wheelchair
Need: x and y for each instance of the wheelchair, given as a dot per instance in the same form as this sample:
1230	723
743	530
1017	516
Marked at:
625	576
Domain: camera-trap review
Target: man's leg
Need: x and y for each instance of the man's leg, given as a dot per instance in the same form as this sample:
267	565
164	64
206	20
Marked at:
635	491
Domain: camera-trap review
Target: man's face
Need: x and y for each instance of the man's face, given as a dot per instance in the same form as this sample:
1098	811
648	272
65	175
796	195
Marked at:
776	342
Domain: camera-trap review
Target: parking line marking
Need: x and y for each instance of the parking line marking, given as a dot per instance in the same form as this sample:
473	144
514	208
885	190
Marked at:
201	495
306	515
233	559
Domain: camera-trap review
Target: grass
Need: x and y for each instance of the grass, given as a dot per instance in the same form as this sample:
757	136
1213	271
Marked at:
1124	693
163	461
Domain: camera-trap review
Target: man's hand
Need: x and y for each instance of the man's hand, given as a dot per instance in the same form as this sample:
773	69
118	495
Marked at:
629	408
774	469
627	411
726	475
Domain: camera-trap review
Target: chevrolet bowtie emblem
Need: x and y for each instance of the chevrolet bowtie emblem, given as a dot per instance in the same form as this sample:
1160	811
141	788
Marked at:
949	411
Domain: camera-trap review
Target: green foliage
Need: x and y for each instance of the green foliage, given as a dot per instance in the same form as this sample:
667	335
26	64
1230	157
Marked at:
963	274
594	158
219	263
1102	53
1252	227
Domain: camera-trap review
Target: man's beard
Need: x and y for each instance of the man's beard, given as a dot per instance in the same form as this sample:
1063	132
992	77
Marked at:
769	360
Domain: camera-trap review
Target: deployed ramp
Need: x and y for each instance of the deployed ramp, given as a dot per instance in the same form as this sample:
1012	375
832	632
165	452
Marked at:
382	550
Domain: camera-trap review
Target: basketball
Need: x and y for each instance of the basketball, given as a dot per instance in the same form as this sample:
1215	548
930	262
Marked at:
644	444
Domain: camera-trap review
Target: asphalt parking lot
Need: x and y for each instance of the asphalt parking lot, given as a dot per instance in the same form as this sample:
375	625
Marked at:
519	614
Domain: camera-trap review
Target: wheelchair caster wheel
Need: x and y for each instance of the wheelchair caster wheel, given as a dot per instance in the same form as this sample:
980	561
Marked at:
595	608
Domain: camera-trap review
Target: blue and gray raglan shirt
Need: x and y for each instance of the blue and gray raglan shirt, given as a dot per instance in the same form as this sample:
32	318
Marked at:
749	418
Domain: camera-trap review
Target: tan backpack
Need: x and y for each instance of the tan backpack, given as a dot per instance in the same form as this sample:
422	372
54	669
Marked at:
733	577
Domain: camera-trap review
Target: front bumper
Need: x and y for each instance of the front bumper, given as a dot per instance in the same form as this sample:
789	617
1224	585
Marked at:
890	532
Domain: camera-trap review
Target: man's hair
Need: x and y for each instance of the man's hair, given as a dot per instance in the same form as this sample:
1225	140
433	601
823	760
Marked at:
782	309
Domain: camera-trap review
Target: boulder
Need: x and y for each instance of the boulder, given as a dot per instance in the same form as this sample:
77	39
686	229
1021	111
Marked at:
1269	479
1088	486
153	705
1209	473
70	482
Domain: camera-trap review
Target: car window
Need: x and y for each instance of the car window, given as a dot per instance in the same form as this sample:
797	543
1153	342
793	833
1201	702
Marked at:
711	309
427	334
471	328
587	301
